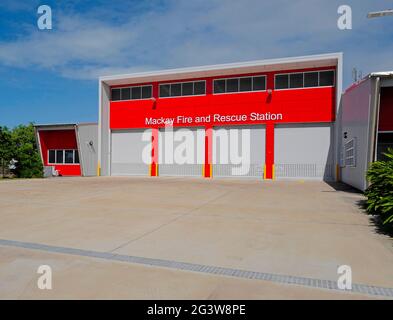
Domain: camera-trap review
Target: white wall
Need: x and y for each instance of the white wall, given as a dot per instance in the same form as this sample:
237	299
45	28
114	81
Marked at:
355	121
88	151
104	135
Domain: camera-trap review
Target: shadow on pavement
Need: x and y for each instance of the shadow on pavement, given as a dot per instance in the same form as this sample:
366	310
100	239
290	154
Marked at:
340	186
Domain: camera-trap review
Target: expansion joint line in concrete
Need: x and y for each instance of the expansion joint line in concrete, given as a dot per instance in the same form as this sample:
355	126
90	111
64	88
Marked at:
206	269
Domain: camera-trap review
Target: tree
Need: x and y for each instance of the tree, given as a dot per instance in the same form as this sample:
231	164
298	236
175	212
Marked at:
5	149
24	150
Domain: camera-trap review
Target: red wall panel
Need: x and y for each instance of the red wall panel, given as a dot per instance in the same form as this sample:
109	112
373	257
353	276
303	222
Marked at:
59	139
304	105
297	105
386	110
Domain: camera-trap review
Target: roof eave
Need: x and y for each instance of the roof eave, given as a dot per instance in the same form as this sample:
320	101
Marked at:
209	70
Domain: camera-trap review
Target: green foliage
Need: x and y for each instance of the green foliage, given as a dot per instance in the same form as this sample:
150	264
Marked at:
20	144
5	149
380	193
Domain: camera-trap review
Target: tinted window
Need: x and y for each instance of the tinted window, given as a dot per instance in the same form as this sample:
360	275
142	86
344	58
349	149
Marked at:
326	78
199	87
59	156
175	89
125	94
219	86
146	92
259	83
164	90
245	84
385	141
136	93
296	80
232	85
69	156
282	81
115	94
52	156
188	88
311	79
76	156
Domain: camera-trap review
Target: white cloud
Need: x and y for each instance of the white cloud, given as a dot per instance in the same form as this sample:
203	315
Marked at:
185	33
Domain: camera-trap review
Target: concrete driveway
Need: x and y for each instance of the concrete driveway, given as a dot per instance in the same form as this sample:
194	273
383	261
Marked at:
157	238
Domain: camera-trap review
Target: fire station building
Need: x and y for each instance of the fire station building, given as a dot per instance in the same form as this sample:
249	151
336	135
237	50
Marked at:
286	108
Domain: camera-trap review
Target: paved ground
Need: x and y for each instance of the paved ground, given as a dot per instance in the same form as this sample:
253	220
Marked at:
291	228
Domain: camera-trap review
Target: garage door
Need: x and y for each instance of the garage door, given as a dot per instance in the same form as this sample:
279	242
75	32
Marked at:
131	152
238	151
303	151
181	151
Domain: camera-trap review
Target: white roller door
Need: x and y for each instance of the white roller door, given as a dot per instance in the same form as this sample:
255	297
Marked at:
181	151
238	151
131	152
303	151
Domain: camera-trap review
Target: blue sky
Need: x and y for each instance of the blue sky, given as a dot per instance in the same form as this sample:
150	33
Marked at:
51	76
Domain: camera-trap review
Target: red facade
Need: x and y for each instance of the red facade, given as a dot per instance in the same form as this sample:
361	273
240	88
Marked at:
270	107
59	139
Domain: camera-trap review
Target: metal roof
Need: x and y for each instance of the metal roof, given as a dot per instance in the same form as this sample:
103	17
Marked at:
55	125
381	74
311	61
62	125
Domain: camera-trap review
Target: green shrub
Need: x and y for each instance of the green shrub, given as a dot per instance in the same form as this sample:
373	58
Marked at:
25	151
380	192
5	150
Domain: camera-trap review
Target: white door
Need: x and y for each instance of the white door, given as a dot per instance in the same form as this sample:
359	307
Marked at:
131	152
238	151
303	151
181	151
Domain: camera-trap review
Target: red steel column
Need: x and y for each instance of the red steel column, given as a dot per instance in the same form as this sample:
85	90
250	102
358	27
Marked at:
269	153
154	153
207	168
